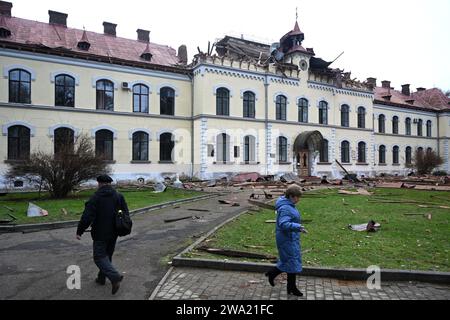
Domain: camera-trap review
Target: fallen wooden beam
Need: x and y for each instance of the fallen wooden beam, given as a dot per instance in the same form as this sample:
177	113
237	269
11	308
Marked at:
177	219
236	254
262	204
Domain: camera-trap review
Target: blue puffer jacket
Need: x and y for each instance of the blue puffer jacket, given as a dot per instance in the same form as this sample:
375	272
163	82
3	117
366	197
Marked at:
288	236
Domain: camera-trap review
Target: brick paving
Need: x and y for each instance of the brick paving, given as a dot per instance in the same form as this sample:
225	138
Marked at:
204	284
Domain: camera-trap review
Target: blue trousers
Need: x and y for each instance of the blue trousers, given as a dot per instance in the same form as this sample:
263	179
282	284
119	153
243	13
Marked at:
103	252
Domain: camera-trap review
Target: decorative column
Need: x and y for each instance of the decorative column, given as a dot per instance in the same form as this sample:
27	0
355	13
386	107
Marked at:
203	148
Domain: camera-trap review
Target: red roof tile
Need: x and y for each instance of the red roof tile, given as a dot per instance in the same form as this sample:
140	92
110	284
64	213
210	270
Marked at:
431	99
59	37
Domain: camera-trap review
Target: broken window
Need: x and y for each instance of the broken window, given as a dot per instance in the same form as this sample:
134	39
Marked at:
104	143
249	104
249	149
303	110
19	86
324	151
408	126
210	150
281	103
408	155
105	95
140	98
140	146
362	152
429	129
236	152
64	139
345	152
345	118
223	148
381	123
420	127
223	102
64	91
323	112
282	149
395	125
382	155
395	155
18	143
167	101
166	146
361	117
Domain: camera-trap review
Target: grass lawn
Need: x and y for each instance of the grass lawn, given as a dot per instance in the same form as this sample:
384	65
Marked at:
74	204
404	242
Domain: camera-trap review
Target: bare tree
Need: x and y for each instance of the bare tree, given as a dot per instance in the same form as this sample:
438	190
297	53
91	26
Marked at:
73	163
426	161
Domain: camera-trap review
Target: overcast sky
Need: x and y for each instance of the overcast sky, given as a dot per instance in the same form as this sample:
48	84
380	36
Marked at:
405	41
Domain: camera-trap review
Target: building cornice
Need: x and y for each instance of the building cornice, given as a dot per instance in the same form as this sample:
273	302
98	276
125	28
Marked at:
335	90
400	109
407	107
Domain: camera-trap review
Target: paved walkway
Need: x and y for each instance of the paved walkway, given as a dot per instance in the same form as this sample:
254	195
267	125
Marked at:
33	265
203	284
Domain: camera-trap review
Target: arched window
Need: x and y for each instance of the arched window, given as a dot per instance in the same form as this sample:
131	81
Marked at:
361	117
420	149
408	155
64	139
324	151
166	146
140	98
167	101
64	91
408	126
105	95
345	152
104	144
396	155
382	155
223	102
19	86
381	123
281	104
303	110
282	149
223	148
140	146
395	125
345	115
249	104
323	112
362	152
249	149
18	143
429	129
420	127
429	150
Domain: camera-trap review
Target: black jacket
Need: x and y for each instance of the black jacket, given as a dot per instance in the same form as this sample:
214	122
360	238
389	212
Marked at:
100	212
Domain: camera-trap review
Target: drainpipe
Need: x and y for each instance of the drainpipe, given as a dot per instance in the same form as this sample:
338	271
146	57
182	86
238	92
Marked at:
192	125
266	106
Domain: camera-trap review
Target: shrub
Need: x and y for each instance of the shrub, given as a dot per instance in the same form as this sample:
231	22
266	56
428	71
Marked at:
62	172
426	161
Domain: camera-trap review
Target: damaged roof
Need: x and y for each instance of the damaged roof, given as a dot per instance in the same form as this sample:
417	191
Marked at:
243	49
427	100
57	38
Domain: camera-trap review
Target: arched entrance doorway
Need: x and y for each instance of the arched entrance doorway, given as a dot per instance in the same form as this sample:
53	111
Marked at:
305	145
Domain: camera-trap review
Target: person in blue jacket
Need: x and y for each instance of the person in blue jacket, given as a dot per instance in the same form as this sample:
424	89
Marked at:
288	229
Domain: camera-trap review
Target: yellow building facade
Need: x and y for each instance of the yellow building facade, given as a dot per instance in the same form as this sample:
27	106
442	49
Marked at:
273	112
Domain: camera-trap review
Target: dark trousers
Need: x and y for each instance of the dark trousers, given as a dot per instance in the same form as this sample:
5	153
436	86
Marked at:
103	252
291	277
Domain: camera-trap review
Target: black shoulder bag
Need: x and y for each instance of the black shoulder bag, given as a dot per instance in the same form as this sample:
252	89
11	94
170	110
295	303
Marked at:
123	220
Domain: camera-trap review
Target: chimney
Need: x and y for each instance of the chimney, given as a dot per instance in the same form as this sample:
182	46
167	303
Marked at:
405	90
421	89
109	28
371	82
386	84
57	18
182	54
143	35
5	8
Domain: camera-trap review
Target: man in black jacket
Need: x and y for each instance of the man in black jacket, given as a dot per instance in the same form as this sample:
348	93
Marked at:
100	213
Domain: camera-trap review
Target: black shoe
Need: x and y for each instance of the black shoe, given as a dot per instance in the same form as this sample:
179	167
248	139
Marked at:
294	291
116	285
100	281
268	275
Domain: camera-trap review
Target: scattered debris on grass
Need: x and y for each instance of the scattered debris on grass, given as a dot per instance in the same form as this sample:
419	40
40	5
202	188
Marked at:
35	211
235	253
160	187
371	226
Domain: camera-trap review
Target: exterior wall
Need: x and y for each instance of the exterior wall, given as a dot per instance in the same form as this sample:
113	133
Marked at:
196	125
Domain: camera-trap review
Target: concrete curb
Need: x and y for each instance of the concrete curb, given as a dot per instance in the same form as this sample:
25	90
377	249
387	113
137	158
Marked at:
160	284
342	274
73	223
